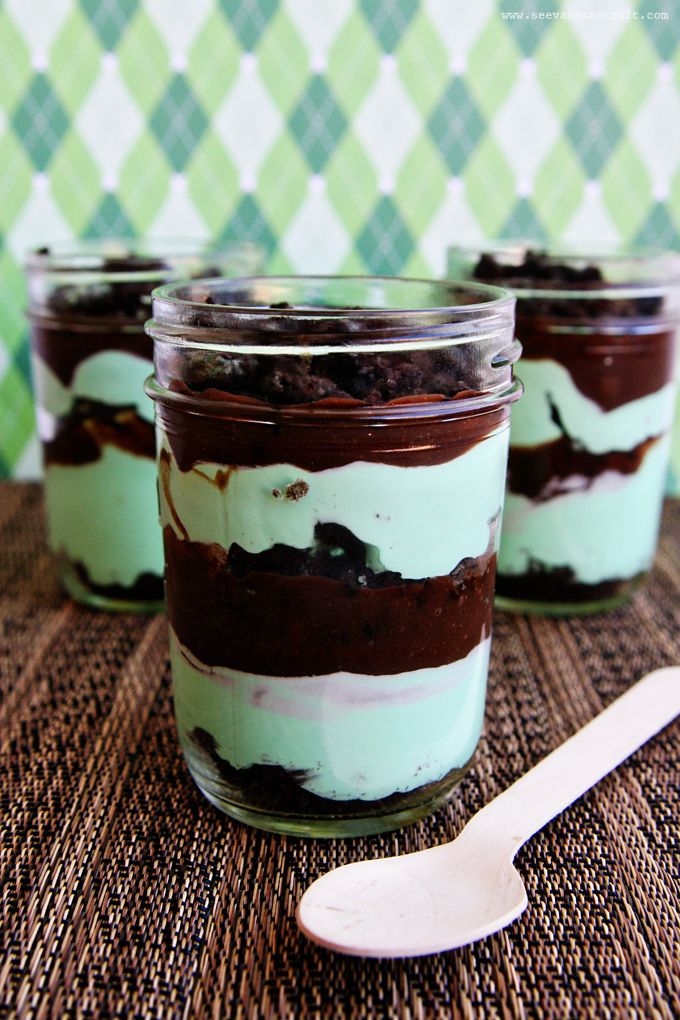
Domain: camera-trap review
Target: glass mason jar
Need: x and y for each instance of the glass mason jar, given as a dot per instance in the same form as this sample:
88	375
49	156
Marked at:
332	456
590	440
87	303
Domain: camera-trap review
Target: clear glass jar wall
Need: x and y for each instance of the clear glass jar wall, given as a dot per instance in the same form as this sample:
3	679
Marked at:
590	440
87	305
332	457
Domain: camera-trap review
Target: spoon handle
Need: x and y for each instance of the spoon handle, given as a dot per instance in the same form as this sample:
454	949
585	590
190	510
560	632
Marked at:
582	760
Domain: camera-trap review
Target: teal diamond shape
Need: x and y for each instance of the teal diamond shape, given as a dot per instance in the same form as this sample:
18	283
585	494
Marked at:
665	34
109	18
523	222
456	125
249	19
40	121
527	31
109	220
317	123
659	230
179	122
248	223
389	19
594	129
385	243
22	360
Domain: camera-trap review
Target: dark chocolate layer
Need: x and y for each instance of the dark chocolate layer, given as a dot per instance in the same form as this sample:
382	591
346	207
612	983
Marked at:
273	788
539	472
610	368
559	584
91	425
247	435
279	624
148	587
62	348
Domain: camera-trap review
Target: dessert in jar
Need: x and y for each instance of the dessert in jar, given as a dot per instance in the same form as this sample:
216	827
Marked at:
590	440
87	305
332	456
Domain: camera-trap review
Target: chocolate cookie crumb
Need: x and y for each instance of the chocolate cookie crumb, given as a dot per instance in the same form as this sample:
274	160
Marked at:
297	490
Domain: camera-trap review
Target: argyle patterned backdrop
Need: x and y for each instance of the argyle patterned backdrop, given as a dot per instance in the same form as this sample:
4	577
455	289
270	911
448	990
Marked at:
344	135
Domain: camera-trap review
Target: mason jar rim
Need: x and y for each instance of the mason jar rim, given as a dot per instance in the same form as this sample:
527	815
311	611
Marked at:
74	255
181	320
638	271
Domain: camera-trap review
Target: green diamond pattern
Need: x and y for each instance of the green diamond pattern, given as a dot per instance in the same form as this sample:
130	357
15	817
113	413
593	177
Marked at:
248	223
594	129
389	19
109	18
179	122
389	128
40	121
249	19
528	31
456	125
664	32
318	123
109	220
385	243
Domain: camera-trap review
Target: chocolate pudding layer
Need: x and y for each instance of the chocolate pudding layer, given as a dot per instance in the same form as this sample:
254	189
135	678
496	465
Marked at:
589	442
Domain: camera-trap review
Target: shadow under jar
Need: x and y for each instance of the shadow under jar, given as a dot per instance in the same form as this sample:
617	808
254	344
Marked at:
589	442
88	302
332	456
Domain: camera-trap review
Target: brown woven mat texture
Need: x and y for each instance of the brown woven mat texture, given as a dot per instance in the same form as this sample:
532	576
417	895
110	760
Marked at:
125	894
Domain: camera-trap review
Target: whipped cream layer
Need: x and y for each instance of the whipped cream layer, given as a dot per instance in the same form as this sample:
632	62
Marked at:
418	521
345	735
111	377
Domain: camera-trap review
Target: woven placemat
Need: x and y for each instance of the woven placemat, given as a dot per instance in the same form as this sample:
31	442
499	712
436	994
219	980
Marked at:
124	894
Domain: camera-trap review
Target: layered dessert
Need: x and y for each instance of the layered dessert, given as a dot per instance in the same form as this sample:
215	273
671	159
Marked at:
590	439
90	358
330	525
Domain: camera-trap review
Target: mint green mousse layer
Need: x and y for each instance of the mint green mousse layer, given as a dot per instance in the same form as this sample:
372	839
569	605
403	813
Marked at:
598	431
419	521
608	531
674	475
356	737
103	515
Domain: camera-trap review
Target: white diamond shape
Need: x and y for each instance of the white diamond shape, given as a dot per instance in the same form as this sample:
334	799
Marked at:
454	223
40	222
526	128
316	241
109	121
318	23
39	23
178	28
591	221
178	217
655	130
387	123
457	28
29	464
596	34
248	121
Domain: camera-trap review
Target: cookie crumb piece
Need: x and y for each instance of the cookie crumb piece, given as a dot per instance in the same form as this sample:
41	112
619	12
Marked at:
297	489
276	493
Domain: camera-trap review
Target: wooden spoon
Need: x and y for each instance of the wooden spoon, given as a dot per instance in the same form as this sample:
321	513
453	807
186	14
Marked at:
462	891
